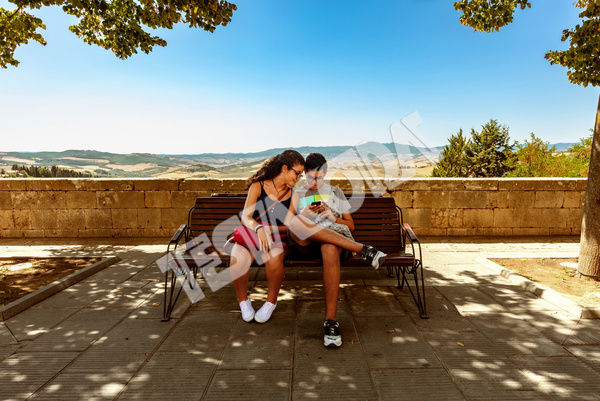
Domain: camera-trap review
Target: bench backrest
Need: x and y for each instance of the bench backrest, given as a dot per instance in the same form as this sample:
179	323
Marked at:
377	220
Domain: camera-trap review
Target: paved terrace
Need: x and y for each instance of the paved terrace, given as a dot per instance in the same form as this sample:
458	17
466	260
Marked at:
486	338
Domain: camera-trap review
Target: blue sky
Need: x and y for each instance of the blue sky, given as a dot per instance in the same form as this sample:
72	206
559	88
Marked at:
296	73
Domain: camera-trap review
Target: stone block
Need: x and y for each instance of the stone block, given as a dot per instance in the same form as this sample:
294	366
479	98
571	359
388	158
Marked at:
184	199
97	233
98	218
549	199
12	233
403	199
445	218
434	232
469	199
574	218
572	200
173	218
560	230
542	184
554	217
498	199
44	219
22	219
73	219
582	199
62	233
13	184
109	184
213	185
157	199
529	231
431	199
156	184
521	199
22	200
124	218
449	184
478	218
54	184
5	200
6	220
502	232
149	218
506	218
458	232
81	200
120	200
420	218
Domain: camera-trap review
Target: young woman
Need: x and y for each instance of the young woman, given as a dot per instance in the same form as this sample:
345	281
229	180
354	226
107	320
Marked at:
270	206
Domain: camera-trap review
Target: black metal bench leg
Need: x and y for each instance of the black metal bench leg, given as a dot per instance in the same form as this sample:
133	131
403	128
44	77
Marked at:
418	295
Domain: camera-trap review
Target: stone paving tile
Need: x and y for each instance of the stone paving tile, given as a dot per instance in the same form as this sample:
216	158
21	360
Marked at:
467	298
329	374
34	322
415	384
181	375
123	297
118	360
149	273
516	300
7	350
250	385
84	386
203	332
318	308
393	343
119	272
563	378
223	301
22	374
514	335
373	301
587	332
261	346
443	316
555	325
6	337
76	296
508	395
78	331
590	354
153	306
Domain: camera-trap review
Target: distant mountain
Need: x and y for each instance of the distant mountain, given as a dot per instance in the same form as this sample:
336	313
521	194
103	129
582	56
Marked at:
105	164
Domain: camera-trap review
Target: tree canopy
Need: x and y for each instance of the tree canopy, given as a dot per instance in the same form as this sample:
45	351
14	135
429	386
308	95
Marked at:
117	25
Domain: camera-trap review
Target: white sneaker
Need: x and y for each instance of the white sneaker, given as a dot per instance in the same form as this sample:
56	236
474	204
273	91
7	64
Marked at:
264	313
247	310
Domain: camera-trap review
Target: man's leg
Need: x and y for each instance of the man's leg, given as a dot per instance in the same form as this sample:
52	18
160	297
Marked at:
331	278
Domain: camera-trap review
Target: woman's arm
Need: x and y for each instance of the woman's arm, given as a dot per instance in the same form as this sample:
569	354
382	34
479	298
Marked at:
250	206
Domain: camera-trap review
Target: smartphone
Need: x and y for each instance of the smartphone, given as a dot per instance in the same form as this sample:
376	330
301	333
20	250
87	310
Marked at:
316	203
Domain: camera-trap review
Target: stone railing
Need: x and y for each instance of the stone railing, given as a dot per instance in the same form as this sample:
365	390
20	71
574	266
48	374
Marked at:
67	208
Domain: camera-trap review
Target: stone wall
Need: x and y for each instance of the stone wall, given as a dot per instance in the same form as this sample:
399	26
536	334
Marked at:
156	207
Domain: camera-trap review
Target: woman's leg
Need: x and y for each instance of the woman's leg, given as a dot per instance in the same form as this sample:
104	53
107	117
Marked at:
275	271
239	268
303	231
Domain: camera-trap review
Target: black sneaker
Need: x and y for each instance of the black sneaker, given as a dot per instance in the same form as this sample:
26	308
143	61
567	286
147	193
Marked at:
333	339
373	256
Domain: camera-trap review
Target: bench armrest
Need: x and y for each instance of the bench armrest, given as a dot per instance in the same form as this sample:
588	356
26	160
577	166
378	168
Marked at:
181	232
409	231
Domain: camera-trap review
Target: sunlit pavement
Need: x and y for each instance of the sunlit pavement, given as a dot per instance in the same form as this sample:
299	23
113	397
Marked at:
485	339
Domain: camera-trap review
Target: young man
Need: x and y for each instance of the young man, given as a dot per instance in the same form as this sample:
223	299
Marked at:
328	208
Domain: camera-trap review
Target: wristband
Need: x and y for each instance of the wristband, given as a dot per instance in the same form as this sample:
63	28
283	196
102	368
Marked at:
257	227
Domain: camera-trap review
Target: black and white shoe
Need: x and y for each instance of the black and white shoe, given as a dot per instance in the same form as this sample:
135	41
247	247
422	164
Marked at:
333	338
373	256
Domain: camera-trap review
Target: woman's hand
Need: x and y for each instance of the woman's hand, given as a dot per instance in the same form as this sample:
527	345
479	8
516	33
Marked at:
265	241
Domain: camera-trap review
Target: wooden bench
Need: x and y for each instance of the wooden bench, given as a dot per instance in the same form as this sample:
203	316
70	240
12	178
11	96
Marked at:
377	220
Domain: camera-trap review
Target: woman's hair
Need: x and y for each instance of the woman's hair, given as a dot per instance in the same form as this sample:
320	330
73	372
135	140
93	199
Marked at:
272	167
315	161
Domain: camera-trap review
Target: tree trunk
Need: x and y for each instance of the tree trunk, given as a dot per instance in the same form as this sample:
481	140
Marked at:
589	250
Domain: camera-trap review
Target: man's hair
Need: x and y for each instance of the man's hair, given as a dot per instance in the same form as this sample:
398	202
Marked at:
315	161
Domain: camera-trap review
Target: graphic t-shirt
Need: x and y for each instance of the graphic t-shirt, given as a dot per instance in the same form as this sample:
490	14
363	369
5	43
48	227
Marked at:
334	198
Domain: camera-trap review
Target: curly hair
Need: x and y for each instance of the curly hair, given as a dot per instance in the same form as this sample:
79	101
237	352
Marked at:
315	161
272	167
